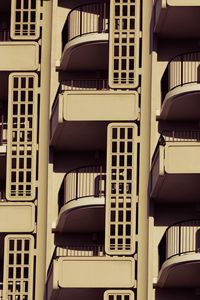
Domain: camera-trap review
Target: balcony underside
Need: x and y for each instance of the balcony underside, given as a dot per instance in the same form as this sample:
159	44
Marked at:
185	26
82	136
180	271
78	294
177	188
82	215
182	103
88	52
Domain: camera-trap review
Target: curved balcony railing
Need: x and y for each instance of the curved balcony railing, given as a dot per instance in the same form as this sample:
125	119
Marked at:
84	182
80	251
85	19
181	70
180	238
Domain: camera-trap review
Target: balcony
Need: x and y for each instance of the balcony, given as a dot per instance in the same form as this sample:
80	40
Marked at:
180	86
85	38
83	192
82	110
179	255
175	171
76	273
166	23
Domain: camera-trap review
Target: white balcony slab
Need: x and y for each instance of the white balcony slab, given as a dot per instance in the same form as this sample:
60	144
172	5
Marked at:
91	272
175	172
100	106
19	56
17	217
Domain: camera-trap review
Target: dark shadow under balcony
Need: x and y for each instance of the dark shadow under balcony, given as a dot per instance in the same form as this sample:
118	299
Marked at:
179	255
175	170
76	273
168	25
85	38
180	87
82	201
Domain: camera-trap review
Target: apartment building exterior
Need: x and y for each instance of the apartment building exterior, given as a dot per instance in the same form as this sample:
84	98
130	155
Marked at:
99	149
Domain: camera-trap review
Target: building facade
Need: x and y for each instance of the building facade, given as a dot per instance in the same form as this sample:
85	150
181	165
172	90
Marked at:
99	149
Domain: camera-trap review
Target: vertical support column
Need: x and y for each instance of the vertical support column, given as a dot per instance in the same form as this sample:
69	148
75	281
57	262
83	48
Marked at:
43	150
144	161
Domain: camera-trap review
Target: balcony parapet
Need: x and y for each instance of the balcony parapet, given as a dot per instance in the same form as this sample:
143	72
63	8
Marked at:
180	87
84	182
179	252
181	70
82	197
179	239
166	23
67	274
85	31
82	106
175	167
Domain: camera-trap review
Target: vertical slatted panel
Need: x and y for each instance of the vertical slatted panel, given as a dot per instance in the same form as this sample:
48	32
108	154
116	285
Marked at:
124	43
22	137
18	267
121	189
25	19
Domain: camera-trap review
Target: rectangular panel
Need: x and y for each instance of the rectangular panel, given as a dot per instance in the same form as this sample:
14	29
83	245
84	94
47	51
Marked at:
119	295
121	188
95	272
22	137
25	16
102	106
182	2
17	217
18	267
124	43
18	56
182	158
